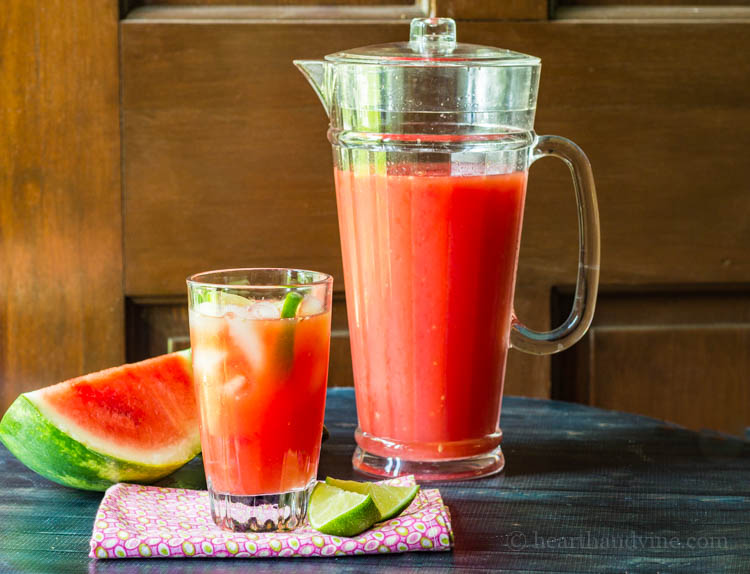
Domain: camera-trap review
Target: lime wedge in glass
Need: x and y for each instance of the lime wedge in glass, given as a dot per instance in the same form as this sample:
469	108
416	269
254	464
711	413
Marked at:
286	339
390	500
212	303
341	512
291	302
232	299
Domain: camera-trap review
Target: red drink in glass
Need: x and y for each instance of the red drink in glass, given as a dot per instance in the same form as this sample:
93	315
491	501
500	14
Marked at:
260	379
262	413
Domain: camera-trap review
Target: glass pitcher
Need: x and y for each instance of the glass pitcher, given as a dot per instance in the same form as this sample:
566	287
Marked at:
432	142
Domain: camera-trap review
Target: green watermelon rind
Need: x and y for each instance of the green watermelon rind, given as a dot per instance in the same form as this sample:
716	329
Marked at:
50	452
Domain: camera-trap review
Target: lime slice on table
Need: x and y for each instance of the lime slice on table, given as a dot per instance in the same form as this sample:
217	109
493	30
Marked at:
341	512
390	500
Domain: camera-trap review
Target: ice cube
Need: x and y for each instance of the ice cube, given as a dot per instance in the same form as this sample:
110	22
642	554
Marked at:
310	306
264	310
206	359
247	337
234	386
235	311
209	309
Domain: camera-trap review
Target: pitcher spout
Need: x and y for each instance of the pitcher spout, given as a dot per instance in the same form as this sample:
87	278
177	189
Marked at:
315	72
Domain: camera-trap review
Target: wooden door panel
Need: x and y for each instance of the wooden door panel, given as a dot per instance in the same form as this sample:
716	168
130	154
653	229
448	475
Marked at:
226	161
339	9
61	303
228	135
650	3
266	3
695	376
678	355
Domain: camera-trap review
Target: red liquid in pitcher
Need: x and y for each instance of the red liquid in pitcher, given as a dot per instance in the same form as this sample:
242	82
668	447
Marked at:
430	264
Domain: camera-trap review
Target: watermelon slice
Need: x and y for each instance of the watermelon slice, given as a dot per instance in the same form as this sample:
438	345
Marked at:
134	423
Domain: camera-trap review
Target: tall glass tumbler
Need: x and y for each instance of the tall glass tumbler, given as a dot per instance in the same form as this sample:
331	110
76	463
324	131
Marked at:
260	341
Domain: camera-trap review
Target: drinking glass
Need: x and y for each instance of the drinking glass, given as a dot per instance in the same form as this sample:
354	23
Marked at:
260	341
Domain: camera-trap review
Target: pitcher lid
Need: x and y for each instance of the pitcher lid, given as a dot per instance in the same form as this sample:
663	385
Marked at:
432	42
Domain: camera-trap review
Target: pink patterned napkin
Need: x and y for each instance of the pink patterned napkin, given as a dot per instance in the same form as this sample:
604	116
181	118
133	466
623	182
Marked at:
137	521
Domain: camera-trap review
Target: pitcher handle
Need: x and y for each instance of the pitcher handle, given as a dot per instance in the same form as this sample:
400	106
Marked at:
587	284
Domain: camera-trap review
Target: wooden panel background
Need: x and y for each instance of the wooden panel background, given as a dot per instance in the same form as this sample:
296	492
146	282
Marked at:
679	355
337	10
644	3
221	129
274	3
61	298
505	9
217	123
374	9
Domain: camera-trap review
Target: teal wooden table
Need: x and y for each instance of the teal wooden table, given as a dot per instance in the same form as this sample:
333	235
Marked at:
584	490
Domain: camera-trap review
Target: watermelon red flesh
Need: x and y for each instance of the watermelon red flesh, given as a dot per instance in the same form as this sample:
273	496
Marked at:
135	423
144	406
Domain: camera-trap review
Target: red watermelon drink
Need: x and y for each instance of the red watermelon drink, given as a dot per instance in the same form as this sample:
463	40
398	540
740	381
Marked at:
432	140
430	263
260	340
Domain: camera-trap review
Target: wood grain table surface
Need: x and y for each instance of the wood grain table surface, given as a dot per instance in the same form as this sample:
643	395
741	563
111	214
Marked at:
584	490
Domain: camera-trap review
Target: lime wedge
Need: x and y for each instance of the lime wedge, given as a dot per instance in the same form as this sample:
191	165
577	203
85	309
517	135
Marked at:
286	340
232	299
341	512
212	303
291	302
390	500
